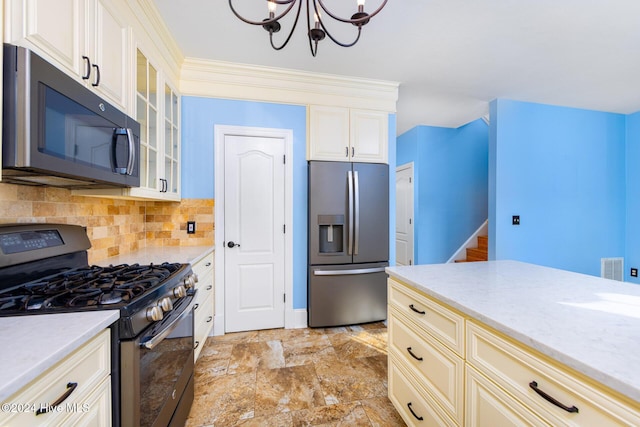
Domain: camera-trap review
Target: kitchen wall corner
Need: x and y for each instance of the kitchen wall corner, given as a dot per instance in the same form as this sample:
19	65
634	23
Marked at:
115	226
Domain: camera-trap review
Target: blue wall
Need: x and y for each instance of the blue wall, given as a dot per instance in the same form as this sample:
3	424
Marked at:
450	186
199	115
563	171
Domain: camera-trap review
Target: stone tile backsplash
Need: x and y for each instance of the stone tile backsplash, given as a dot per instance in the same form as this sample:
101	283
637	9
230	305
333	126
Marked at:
115	226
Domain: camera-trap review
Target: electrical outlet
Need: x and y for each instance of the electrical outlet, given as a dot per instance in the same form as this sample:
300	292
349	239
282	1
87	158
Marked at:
634	272
191	227
515	220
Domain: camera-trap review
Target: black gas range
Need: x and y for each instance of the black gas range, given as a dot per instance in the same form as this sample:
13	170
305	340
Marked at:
44	270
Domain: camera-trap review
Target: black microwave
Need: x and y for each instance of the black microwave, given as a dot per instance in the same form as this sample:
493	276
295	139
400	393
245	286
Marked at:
57	132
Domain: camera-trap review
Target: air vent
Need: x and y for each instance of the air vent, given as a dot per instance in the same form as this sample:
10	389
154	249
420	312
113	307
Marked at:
612	268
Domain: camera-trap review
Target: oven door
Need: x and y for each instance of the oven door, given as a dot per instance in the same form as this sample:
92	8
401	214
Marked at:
157	371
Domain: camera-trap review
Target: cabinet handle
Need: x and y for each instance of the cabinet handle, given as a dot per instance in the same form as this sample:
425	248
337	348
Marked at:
70	388
353	151
209	287
413	413
87	68
97	82
416	310
208	264
346	151
548	398
413	355
196	306
196	345
209	319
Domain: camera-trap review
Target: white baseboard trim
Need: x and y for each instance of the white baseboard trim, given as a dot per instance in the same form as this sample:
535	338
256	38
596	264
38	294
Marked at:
218	325
299	318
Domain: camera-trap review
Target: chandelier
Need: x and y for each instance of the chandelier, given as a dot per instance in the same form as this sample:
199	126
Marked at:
316	33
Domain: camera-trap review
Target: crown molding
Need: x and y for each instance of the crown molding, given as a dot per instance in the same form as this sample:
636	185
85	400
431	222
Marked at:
158	33
220	79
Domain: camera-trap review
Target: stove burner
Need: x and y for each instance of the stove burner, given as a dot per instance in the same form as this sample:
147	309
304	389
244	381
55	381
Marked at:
92	286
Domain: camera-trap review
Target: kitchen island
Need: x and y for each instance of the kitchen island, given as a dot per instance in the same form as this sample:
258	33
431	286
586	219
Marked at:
491	325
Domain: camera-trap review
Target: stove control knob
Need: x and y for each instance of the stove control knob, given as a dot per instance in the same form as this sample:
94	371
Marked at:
179	291
154	313
191	281
166	304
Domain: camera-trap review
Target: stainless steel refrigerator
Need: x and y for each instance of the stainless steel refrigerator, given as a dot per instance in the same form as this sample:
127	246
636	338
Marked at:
348	243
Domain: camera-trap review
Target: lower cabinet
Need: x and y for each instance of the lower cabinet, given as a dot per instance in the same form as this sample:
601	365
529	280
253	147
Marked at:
76	391
203	311
494	381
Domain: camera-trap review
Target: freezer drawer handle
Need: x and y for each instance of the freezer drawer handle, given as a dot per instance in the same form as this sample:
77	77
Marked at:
416	310
548	398
347	272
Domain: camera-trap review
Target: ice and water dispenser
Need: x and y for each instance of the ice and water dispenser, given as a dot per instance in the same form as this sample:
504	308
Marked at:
331	229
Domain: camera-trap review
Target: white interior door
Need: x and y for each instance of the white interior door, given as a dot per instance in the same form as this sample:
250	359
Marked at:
404	215
254	212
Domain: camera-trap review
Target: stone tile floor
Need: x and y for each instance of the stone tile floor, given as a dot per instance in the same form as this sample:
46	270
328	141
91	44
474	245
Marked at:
294	377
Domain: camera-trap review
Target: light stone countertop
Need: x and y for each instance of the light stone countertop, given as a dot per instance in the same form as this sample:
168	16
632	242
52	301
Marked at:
158	255
29	345
587	323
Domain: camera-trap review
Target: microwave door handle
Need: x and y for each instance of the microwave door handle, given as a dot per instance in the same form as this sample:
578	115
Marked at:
132	152
114	146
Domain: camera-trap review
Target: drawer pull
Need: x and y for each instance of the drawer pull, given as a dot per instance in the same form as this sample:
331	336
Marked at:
413	355
207	264
416	310
70	388
413	413
197	344
209	319
545	396
209	287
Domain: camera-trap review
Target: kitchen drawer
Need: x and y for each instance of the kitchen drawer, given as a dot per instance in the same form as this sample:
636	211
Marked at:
489	405
436	367
88	366
414	408
203	323
436	319
204	265
516	368
95	410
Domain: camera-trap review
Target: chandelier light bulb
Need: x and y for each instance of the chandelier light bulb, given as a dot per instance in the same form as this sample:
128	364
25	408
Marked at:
271	5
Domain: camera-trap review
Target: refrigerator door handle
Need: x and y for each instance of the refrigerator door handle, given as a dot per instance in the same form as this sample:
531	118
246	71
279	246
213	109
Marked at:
356	209
348	272
350	213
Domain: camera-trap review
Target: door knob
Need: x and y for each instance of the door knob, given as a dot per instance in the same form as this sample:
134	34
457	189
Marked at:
231	244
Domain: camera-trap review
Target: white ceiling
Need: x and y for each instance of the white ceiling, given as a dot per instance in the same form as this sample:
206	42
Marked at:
451	57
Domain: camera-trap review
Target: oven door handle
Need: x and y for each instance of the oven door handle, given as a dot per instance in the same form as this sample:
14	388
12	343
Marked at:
157	339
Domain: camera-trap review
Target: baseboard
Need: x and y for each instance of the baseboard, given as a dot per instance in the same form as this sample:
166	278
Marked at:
218	325
299	317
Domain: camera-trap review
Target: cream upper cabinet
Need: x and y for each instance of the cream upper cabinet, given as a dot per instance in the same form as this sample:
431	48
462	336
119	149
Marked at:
157	111
92	48
347	134
369	136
